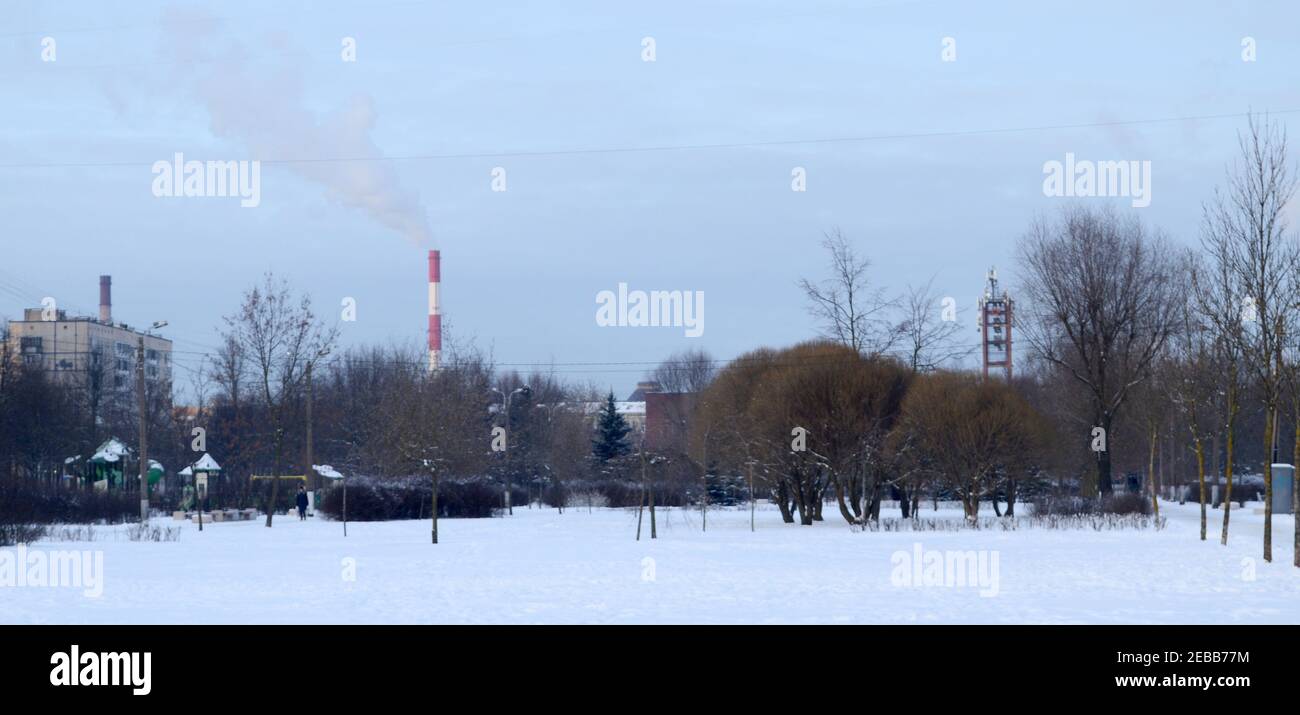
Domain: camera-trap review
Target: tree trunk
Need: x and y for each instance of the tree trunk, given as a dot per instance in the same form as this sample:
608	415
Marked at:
704	502
1011	496
1270	425
751	497
641	504
1104	484
1151	473
1295	493
839	499
802	499
1200	478
1227	452
650	489
782	501
640	507
971	504
275	475
433	506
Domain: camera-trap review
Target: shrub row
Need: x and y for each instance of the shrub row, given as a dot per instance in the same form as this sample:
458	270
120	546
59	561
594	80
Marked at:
1091	520
26	508
375	499
381	499
1048	505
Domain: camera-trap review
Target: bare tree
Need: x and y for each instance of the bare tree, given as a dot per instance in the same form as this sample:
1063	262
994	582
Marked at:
929	330
1219	304
437	422
684	376
1245	226
973	429
851	310
280	336
689	370
1102	302
1194	371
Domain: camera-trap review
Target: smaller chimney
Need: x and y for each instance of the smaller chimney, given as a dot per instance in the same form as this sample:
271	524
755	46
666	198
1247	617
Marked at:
106	299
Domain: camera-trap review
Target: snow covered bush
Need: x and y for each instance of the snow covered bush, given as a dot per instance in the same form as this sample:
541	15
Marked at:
12	533
586	499
147	532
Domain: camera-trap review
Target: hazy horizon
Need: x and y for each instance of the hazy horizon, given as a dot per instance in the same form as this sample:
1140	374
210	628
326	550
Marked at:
673	174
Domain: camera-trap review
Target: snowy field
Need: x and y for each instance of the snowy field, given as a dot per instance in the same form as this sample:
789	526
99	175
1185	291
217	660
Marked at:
542	567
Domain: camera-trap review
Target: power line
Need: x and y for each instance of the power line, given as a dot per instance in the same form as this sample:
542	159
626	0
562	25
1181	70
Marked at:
713	146
229	20
581	367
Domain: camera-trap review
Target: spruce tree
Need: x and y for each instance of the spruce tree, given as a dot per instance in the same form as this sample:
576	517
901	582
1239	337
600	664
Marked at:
611	433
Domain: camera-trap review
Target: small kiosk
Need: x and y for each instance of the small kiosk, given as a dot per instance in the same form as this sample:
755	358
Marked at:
203	474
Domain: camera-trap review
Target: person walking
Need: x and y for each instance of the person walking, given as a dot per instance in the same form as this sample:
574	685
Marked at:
302	502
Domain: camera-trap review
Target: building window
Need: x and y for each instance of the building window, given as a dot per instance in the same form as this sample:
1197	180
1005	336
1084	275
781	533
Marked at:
31	345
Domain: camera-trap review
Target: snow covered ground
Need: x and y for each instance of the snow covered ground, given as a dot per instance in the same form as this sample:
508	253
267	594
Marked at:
542	567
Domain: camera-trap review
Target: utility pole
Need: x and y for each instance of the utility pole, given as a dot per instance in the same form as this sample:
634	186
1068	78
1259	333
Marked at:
144	429
310	469
751	495
505	422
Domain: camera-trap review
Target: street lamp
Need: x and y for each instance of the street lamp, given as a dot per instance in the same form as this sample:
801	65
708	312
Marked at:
144	423
329	472
505	422
550	415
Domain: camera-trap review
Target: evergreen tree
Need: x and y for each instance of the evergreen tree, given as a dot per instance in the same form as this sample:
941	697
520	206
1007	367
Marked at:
611	433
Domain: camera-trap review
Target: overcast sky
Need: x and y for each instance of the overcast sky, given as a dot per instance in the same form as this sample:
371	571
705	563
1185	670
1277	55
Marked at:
932	168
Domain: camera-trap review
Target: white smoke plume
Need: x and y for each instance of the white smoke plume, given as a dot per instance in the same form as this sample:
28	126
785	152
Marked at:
262	106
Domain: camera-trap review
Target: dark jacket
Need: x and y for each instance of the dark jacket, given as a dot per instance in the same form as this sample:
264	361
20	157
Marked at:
302	500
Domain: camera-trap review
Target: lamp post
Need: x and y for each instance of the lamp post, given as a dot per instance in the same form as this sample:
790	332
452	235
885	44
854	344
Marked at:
505	422
329	472
142	405
550	414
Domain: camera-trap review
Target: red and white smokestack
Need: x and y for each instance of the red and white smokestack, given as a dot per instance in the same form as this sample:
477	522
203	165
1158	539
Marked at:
106	299
435	310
